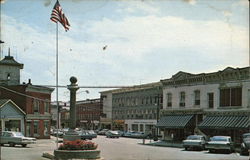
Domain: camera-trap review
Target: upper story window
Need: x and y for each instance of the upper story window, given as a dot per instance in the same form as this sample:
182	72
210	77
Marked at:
169	100
182	99
197	97
210	100
46	107
36	105
231	97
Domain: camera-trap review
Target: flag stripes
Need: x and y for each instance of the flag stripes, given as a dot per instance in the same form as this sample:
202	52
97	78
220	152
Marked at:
57	15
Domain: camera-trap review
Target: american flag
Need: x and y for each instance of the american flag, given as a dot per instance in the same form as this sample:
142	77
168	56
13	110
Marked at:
58	15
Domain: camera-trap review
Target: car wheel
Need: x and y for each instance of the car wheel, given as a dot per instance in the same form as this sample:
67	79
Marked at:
203	147
12	144
24	145
186	148
210	150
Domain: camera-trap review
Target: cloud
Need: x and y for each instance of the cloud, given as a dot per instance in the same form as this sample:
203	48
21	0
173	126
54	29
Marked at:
145	7
139	47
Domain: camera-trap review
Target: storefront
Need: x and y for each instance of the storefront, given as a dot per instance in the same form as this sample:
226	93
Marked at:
142	125
176	127
118	125
233	125
12	117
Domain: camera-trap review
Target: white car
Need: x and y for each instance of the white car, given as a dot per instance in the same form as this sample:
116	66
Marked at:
15	138
220	143
194	141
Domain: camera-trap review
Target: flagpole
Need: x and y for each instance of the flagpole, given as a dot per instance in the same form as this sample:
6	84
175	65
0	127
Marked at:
57	103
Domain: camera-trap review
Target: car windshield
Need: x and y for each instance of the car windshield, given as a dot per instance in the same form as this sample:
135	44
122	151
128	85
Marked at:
193	138
219	139
18	134
246	136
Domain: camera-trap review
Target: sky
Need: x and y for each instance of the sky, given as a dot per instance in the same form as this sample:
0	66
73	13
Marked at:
145	40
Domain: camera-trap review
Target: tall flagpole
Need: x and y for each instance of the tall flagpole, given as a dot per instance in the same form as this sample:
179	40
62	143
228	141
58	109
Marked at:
57	103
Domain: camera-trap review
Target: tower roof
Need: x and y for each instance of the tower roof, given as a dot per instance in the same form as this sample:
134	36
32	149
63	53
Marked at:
9	60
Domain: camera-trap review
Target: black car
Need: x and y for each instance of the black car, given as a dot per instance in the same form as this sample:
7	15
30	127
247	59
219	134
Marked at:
245	145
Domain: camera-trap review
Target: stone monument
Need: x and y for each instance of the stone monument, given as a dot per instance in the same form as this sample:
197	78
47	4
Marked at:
72	135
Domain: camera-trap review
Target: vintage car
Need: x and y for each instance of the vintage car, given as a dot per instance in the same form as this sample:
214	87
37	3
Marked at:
103	132
113	134
220	143
15	138
245	145
135	134
85	134
92	133
194	141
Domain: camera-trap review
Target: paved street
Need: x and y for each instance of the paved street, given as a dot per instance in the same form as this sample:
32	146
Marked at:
129	149
31	152
118	149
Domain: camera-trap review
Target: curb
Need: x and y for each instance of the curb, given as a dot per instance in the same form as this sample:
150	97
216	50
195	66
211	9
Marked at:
48	155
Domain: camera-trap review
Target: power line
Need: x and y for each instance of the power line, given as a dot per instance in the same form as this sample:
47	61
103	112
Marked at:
22	94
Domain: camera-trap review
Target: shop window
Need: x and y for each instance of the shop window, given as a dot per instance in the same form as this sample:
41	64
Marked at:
36	128
46	128
196	97
141	127
28	131
230	97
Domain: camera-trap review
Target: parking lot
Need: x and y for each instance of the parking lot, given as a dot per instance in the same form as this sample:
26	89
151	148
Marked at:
118	149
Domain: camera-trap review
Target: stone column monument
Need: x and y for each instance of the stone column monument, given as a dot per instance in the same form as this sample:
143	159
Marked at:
72	135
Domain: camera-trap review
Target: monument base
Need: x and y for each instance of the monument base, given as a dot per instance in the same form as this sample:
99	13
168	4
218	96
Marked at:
76	154
71	135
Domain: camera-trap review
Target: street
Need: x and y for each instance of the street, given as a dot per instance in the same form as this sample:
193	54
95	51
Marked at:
117	149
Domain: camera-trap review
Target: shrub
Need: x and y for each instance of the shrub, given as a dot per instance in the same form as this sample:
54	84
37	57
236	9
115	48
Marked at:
78	145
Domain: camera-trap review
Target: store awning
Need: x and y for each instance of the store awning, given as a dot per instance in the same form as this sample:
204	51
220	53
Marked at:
175	121
225	122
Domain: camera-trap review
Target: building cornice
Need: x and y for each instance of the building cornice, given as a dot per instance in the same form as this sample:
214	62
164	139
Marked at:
229	74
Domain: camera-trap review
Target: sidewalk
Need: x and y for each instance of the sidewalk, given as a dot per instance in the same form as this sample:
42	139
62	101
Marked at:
163	143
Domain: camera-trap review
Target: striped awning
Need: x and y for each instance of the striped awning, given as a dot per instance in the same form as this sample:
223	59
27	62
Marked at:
225	122
175	121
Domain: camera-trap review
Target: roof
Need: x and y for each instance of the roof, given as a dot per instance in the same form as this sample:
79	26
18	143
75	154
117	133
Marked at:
228	73
134	88
225	122
3	102
9	60
175	121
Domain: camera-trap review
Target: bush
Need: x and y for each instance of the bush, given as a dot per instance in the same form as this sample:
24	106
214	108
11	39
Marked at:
78	145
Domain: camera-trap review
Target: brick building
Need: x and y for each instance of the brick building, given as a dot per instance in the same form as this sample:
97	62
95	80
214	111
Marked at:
38	117
32	99
88	113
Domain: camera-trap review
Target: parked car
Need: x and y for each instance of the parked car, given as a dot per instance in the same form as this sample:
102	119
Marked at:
195	141
58	132
220	143
134	134
92	133
245	145
15	138
102	132
85	135
121	133
112	134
